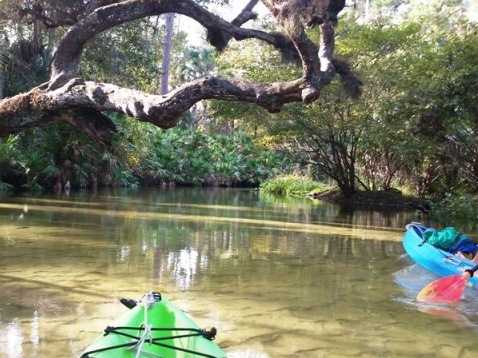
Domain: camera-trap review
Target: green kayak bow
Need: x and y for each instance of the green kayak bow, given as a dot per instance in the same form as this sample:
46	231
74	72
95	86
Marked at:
154	327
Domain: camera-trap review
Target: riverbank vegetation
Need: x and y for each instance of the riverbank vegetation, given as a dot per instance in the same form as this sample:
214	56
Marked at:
412	130
44	159
292	185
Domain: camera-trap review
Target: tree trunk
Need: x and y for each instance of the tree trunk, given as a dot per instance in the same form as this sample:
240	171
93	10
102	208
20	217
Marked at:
2	83
168	36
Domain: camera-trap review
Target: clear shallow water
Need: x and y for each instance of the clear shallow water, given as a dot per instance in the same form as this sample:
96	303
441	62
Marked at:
277	278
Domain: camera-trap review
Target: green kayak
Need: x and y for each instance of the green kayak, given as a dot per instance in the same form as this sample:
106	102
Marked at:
154	327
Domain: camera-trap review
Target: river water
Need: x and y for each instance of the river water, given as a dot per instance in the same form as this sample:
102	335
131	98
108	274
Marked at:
276	277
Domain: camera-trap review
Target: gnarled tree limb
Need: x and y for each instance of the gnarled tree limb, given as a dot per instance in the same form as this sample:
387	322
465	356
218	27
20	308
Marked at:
68	98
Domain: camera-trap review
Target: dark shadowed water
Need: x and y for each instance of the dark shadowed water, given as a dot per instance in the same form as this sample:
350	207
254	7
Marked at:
276	277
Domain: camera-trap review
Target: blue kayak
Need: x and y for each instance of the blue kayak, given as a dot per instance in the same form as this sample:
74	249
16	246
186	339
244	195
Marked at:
438	261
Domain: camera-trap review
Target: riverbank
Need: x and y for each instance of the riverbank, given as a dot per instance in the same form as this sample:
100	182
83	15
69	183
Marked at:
389	199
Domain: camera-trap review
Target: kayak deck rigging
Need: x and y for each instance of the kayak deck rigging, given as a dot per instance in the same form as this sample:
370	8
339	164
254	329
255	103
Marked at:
154	327
136	340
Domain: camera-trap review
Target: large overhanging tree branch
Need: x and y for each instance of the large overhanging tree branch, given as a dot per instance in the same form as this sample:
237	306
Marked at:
69	98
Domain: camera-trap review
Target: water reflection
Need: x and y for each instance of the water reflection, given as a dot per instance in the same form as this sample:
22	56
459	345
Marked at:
277	277
183	266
